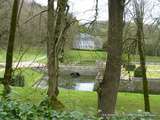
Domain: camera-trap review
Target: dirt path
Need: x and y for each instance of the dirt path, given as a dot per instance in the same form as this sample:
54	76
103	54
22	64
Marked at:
26	64
66	69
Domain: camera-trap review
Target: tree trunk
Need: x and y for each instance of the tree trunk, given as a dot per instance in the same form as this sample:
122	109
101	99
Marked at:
51	52
140	39
139	21
55	28
9	56
109	85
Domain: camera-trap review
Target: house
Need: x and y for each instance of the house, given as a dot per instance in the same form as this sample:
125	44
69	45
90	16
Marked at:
88	42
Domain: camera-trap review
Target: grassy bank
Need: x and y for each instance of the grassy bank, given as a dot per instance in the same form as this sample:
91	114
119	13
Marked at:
24	55
87	101
151	73
78	100
83	57
30	75
127	102
90	57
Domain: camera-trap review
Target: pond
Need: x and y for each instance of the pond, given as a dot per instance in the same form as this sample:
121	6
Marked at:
82	83
87	83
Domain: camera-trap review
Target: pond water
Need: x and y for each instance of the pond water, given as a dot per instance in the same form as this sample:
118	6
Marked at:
82	83
84	86
87	83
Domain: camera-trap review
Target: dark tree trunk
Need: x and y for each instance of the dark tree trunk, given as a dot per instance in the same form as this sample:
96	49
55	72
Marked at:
109	86
9	56
139	21
140	39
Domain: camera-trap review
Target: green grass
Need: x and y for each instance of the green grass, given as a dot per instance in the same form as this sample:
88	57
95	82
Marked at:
153	75
127	102
30	76
149	74
87	101
78	100
153	67
84	57
90	57
153	71
152	58
1	73
70	56
30	55
135	58
27	93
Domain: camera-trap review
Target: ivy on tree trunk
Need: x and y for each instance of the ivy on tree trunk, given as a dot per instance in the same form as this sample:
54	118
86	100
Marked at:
9	56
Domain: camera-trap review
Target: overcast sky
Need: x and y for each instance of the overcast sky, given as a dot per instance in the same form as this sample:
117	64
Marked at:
84	9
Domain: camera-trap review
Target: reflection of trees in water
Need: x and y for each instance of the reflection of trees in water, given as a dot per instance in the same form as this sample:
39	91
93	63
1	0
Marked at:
69	82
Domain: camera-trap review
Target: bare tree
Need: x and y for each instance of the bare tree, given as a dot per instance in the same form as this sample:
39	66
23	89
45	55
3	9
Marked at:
9	56
56	26
138	7
109	85
5	12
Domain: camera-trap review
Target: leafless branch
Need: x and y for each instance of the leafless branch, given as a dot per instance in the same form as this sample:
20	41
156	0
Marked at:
34	16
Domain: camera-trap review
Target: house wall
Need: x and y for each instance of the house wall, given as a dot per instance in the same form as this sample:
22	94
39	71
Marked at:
86	41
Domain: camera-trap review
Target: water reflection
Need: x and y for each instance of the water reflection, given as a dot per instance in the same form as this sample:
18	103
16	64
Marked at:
84	86
82	83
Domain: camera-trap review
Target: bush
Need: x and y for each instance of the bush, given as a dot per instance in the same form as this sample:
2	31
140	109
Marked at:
12	110
18	80
138	72
129	67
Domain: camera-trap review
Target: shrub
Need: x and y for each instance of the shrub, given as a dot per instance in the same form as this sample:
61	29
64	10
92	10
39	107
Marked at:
18	80
129	67
12	110
138	72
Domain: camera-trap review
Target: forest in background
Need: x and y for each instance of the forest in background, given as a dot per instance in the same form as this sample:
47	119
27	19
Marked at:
40	38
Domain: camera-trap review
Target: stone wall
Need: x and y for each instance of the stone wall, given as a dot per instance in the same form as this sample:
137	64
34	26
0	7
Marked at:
136	85
133	85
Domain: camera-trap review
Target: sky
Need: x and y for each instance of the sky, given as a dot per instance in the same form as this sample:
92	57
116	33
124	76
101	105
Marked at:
84	10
